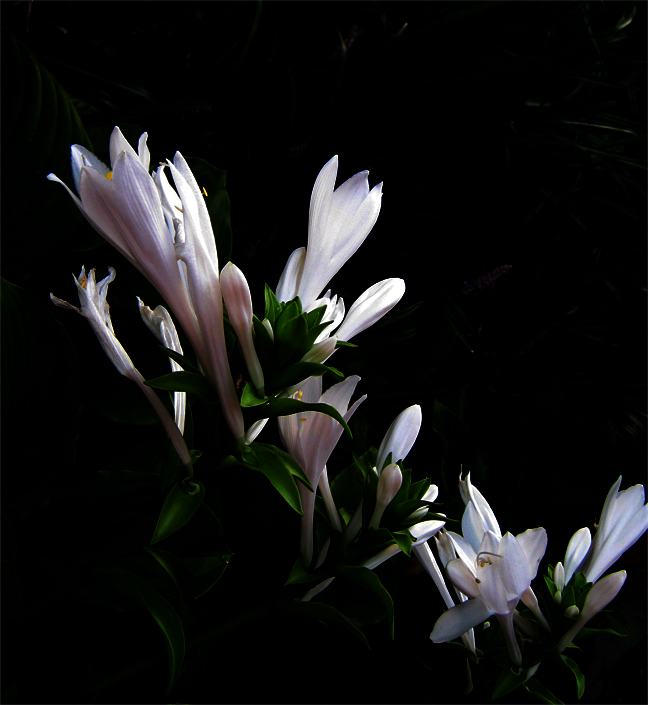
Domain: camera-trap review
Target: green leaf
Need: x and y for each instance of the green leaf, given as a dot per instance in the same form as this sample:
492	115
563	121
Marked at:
264	346
368	579
207	570
272	306
182	361
249	397
541	693
404	541
510	679
159	608
291	338
299	575
298	372
276	470
287	407
327	614
185	382
293	466
179	506
573	667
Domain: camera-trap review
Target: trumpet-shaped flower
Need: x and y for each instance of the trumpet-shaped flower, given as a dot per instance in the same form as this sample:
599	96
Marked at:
624	520
310	438
495	578
168	237
160	324
339	221
94	308
238	300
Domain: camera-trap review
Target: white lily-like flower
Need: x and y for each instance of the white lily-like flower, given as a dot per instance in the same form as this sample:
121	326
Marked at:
94	308
601	594
339	221
238	299
495	578
310	438
160	324
154	227
624	520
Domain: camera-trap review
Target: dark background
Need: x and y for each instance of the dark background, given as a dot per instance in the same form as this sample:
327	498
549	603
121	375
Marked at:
506	134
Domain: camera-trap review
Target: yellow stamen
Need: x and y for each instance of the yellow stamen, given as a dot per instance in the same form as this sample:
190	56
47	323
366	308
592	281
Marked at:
301	394
180	209
205	191
302	419
109	176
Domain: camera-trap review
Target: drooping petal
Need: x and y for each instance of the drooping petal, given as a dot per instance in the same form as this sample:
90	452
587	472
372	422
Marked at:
459	619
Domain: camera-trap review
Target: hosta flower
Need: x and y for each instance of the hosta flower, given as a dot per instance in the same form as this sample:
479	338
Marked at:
338	223
597	599
421	533
238	300
624	520
389	482
310	438
167	235
94	308
495	577
160	324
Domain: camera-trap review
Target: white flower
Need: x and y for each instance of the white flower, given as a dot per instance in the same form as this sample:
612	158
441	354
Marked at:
400	436
389	483
154	227
495	578
339	221
94	308
310	438
624	520
160	324
237	297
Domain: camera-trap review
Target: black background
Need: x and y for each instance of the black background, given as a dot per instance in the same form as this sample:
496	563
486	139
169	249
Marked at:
505	134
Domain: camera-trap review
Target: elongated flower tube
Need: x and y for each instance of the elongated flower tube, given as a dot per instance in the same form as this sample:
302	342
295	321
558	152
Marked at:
495	580
338	223
421	533
94	308
310	438
597	599
160	324
154	228
237	297
624	520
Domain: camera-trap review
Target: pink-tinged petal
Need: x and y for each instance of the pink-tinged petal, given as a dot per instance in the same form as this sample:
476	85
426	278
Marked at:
462	577
389	483
143	151
601	594
119	144
506	622
529	598
400	436
291	276
577	549
458	620
534	544
370	307
82	157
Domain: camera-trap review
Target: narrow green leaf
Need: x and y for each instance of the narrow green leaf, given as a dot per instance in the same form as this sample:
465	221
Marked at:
299	575
366	578
573	667
272	307
298	372
159	608
541	693
249	397
277	471
179	506
510	679
181	360
326	614
207	570
294	468
185	382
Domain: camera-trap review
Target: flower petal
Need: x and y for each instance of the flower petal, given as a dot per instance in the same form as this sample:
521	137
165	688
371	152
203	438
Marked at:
370	307
459	619
400	436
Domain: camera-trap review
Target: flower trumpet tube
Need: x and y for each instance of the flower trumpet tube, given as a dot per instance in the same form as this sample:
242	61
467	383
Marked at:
238	300
154	227
94	308
160	324
601	594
